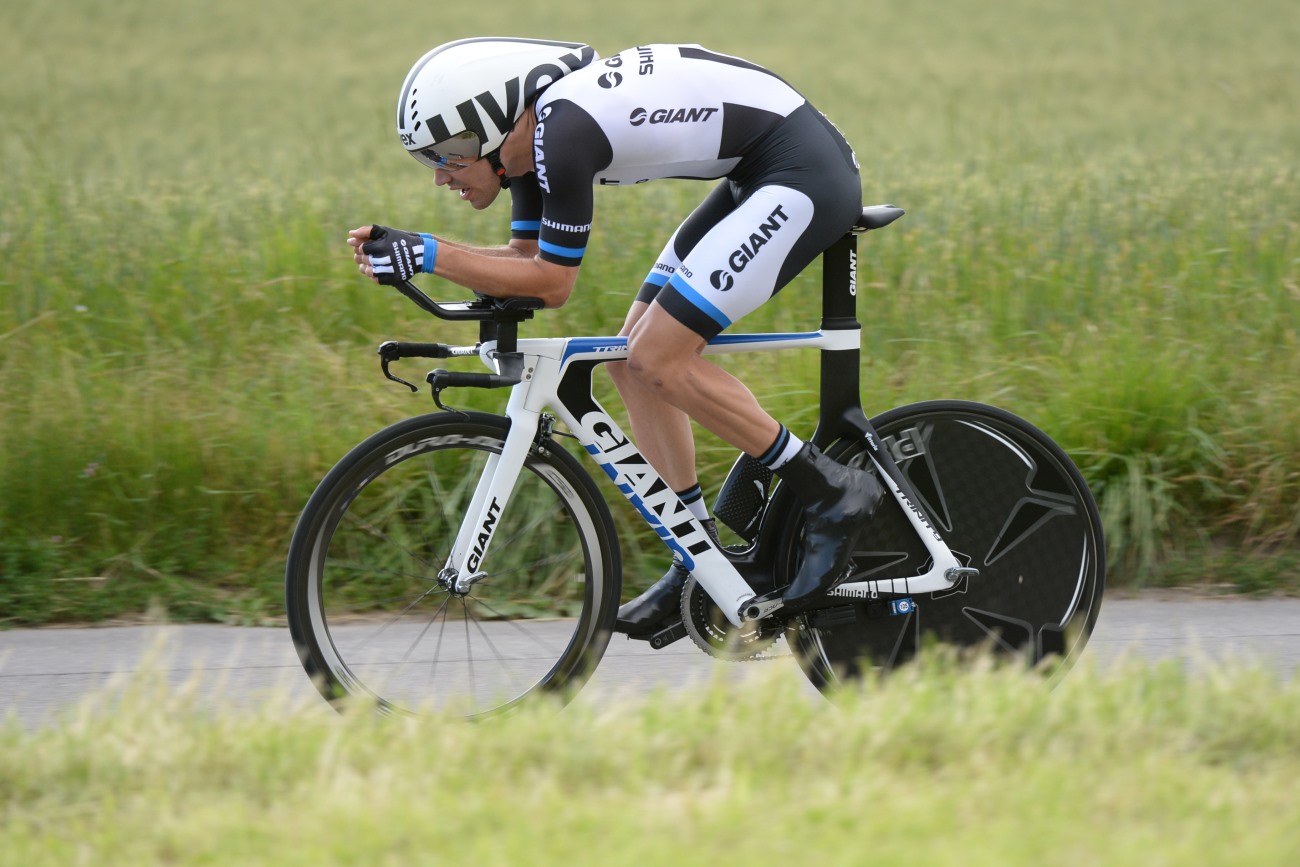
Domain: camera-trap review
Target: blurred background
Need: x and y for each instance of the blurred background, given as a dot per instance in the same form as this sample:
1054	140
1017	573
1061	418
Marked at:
1101	236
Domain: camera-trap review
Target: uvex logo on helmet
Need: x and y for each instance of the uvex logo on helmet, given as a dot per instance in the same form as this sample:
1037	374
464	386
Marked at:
476	89
671	115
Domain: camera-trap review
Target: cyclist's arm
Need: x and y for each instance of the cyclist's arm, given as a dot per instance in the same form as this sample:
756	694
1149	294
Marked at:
516	268
518	248
507	276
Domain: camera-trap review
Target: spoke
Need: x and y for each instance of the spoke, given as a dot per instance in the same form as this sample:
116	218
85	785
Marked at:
441	497
372	604
434	615
540	518
437	649
372	531
469	651
398	616
514	624
492	647
536	565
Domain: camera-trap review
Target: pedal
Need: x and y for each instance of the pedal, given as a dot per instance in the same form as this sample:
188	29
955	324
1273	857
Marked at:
665	637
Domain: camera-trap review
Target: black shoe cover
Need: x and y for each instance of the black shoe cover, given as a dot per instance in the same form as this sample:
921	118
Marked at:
661	605
657	607
839	503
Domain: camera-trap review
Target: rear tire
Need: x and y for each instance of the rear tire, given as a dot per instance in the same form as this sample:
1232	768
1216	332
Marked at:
1008	501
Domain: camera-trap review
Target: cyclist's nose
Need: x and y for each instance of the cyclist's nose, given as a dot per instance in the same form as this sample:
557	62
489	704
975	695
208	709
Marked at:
441	177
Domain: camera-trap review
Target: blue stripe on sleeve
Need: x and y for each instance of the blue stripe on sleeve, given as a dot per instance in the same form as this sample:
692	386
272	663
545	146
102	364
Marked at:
698	301
557	250
657	278
526	226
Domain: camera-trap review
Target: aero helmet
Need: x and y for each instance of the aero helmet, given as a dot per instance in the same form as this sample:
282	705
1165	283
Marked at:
462	98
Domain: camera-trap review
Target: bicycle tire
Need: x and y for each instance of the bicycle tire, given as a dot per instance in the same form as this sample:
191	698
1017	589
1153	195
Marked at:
368	615
1007	500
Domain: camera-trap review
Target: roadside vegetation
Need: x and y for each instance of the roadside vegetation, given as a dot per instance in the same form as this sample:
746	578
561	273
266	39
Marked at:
939	764
1101	236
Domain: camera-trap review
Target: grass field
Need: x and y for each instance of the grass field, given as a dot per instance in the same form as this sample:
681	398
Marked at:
1101	236
937	766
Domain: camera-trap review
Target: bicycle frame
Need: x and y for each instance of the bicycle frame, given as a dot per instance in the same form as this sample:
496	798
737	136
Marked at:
555	375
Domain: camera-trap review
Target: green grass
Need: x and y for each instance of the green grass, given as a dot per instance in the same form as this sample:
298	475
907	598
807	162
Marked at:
938	765
1101	236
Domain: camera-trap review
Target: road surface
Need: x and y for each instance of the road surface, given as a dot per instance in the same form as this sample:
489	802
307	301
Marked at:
47	672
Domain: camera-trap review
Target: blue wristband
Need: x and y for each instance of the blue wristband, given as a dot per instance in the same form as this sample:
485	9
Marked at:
430	252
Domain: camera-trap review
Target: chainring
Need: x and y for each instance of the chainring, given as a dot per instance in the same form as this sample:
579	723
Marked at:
713	633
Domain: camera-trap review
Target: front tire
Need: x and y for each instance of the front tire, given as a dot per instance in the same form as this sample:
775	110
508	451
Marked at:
369	616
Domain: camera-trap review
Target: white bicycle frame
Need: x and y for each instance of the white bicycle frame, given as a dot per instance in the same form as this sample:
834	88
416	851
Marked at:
547	362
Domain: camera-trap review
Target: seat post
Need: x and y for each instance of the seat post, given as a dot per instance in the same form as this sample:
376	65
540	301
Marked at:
839	284
841	403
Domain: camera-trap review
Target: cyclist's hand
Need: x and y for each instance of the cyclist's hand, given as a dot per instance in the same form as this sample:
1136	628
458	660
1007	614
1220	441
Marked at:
390	256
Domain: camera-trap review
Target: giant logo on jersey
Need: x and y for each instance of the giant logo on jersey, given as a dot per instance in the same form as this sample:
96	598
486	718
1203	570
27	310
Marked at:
671	115
749	249
539	158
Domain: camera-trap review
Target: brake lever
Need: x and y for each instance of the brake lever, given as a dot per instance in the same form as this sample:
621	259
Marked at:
388	353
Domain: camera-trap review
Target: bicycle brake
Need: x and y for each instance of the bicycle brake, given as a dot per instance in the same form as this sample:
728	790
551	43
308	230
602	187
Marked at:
388	353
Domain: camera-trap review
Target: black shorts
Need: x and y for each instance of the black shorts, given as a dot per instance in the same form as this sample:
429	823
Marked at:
797	192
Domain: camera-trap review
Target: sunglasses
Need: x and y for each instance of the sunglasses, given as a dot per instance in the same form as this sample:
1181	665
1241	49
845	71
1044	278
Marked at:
457	153
435	160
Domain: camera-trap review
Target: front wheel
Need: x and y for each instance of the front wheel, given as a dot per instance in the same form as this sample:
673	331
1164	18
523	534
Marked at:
368	613
1009	502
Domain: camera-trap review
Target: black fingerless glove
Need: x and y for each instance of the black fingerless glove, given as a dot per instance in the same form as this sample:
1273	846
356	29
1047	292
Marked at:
397	256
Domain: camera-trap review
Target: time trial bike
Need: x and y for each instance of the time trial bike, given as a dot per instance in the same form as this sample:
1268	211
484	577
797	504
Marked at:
467	561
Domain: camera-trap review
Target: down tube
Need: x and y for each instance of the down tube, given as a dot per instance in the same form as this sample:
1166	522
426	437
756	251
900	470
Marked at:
659	506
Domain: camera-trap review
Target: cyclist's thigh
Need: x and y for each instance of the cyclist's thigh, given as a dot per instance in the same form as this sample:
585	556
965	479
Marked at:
741	262
716	205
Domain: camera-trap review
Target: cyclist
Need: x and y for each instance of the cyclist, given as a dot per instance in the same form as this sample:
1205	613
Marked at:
548	121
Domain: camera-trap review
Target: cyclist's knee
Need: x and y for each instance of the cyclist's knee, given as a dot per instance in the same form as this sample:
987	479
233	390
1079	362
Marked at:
619	373
649	365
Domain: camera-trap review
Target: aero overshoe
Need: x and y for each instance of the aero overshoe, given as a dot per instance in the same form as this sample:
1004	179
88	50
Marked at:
661	605
656	608
839	502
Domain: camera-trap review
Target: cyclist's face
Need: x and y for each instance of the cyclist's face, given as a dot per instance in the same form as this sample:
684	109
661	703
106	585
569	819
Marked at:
476	183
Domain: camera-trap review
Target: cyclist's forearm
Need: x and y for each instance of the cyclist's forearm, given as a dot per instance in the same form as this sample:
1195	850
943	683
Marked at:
505	276
516	249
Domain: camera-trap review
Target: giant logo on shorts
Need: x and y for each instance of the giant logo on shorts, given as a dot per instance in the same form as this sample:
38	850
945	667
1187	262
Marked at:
744	254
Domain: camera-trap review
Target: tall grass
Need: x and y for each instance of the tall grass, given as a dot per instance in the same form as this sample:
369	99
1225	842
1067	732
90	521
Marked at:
1101	236
936	765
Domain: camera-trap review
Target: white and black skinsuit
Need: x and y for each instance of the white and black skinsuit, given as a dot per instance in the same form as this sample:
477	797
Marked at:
790	188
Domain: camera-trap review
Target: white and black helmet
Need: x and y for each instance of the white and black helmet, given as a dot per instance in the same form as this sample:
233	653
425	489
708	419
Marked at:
462	98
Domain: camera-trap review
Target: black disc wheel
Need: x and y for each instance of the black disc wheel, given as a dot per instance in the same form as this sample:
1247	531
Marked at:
370	607
1010	503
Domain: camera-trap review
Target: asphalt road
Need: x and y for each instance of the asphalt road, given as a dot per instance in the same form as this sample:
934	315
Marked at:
47	672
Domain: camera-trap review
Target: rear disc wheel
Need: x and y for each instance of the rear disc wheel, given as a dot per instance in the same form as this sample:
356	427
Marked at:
1010	503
